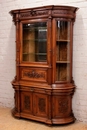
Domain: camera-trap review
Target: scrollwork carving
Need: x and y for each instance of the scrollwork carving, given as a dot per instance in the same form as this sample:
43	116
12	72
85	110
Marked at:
42	104
33	13
33	74
27	102
63	105
62	12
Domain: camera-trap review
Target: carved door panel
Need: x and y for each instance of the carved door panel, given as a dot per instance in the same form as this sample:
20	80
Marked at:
40	105
26	102
61	106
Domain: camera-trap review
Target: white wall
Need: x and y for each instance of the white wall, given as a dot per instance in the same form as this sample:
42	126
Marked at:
7	51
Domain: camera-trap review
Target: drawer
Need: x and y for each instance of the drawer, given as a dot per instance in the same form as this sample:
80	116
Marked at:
33	74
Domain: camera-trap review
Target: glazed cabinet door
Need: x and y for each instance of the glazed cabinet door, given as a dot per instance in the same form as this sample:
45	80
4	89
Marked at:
35	42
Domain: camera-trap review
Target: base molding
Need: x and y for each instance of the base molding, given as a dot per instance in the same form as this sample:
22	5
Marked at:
58	121
67	120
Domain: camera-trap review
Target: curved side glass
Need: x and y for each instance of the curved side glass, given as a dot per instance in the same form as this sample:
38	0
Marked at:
34	43
63	51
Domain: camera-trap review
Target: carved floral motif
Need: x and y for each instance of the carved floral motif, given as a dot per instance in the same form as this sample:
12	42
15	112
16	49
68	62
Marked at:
62	12
63	105
42	104
33	13
33	74
27	102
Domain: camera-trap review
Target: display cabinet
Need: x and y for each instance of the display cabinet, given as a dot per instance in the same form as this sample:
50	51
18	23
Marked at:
43	83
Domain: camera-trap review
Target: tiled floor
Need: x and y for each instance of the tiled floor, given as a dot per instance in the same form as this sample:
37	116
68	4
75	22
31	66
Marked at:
7	122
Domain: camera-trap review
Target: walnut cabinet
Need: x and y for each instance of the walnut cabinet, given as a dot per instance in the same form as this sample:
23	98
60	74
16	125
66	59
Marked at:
43	83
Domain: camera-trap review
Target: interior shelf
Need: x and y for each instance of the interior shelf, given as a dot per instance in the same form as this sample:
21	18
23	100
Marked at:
62	40
36	28
34	53
62	61
38	40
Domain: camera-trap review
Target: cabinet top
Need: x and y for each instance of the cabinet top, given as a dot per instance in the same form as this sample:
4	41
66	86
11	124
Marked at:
44	11
50	7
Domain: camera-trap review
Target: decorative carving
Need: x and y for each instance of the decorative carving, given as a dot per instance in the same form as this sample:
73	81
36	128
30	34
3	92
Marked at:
27	102
63	105
42	104
41	12
25	14
33	13
62	12
33	74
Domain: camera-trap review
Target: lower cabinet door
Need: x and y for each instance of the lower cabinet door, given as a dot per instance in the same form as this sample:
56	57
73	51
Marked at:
26	102
41	105
61	106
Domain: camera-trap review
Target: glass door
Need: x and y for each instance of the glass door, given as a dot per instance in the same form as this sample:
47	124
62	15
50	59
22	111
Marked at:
62	51
34	42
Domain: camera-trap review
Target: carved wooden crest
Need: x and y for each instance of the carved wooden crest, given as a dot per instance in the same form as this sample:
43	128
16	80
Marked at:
33	13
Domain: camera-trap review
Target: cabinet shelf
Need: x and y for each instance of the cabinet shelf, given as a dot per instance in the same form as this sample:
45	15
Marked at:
62	61
36	40
35	54
40	53
62	40
36	28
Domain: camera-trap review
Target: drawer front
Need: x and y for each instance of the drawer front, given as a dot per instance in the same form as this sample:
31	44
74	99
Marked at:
34	74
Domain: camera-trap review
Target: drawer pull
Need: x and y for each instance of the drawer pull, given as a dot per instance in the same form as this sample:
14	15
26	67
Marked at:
31	89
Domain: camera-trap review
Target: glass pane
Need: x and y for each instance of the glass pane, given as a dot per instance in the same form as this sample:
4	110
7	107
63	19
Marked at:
62	50
63	30
35	42
62	72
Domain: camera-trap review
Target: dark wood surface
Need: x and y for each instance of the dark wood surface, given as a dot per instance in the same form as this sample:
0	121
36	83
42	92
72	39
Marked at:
39	93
